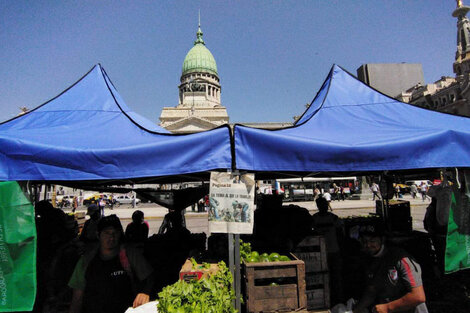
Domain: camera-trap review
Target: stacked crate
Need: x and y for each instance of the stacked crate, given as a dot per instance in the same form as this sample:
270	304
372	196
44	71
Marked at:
397	217
274	286
312	251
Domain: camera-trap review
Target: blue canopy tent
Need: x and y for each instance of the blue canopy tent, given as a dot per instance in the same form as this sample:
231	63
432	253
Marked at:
350	127
88	134
87	137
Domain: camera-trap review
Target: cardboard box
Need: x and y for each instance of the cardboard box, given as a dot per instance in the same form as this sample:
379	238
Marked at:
189	272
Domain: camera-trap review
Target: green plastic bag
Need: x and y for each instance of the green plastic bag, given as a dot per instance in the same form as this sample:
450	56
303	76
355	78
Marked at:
17	249
457	255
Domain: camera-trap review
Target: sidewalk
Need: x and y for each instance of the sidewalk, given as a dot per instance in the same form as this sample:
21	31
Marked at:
151	211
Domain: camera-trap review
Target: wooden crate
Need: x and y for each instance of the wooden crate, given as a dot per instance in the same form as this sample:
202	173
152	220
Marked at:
317	290
312	251
289	292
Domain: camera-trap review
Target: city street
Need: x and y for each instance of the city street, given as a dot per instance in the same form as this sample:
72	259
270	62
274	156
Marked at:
197	222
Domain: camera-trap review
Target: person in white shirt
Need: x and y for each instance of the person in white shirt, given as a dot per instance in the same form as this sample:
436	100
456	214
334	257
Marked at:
327	197
424	190
375	190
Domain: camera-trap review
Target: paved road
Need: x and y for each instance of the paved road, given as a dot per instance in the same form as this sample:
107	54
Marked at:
197	222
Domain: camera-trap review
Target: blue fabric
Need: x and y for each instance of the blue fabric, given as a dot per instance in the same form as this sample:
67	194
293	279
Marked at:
352	127
89	133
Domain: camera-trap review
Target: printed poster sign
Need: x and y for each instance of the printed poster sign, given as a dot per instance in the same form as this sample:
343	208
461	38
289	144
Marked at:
231	203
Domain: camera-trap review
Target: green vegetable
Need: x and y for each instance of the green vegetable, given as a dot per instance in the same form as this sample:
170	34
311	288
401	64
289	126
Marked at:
195	265
211	295
264	259
273	257
245	251
248	256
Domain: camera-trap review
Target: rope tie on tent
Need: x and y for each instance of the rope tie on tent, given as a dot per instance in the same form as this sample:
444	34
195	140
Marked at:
457	177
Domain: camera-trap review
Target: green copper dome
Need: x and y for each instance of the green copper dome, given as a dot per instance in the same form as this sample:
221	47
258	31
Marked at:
199	58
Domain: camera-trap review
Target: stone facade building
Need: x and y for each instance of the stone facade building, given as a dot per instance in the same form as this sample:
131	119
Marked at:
199	106
448	94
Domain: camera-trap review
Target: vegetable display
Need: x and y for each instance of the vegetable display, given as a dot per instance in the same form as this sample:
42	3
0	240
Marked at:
213	294
248	256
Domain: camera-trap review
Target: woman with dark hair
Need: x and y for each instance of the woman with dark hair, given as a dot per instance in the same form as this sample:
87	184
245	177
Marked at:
138	229
110	277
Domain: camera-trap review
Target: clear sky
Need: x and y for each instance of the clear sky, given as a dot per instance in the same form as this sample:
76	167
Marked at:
272	56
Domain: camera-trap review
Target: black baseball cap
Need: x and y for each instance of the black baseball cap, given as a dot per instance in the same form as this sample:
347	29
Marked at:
376	229
110	220
92	208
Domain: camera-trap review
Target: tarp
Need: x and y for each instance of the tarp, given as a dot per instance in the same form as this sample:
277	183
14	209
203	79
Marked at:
350	127
89	133
17	250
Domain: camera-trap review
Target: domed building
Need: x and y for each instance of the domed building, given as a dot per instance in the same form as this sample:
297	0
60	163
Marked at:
199	105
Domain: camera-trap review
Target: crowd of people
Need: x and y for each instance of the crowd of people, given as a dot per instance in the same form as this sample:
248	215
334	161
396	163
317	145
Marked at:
338	193
414	189
103	268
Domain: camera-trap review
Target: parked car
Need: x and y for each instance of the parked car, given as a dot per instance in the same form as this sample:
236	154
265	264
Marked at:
418	182
125	199
94	198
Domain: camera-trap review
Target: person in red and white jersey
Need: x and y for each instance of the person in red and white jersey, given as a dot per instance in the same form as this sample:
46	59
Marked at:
393	277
